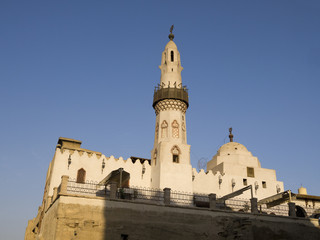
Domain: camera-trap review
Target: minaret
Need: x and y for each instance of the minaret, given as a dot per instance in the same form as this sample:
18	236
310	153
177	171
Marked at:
170	155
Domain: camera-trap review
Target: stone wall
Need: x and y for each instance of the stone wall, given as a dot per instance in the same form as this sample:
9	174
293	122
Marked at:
73	217
48	228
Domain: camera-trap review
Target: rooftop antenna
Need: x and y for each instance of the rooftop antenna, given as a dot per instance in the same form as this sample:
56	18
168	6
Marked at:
171	36
230	135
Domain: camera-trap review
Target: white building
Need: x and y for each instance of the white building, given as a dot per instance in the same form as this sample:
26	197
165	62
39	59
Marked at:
232	168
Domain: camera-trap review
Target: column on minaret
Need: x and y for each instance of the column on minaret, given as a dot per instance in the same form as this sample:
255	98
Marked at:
170	155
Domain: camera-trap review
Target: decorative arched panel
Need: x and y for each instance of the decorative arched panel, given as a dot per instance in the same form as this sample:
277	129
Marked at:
175	129
164	129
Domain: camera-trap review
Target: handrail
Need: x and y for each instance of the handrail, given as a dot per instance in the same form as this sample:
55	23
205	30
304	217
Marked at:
170	93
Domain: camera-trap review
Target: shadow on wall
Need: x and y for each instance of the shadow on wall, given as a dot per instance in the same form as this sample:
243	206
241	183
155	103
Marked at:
127	219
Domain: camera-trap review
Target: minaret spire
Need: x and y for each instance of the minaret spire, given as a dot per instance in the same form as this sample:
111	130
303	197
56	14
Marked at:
230	134
171	35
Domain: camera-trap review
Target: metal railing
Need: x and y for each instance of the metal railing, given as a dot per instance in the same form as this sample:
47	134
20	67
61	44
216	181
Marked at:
181	198
170	93
177	198
138	193
88	188
189	199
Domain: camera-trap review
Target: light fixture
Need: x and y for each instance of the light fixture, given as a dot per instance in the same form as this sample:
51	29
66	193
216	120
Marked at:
69	160
143	169
103	166
233	182
220	180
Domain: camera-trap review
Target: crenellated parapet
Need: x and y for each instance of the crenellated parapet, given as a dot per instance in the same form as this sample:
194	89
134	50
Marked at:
94	166
81	152
205	182
75	145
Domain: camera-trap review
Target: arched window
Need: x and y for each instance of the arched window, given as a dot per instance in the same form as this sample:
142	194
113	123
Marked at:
175	154
172	56
81	176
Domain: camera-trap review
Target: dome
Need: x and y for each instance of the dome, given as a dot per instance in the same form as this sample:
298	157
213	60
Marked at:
233	148
302	190
171	45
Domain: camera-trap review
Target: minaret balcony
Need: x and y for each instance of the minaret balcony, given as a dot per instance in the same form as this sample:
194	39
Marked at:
170	93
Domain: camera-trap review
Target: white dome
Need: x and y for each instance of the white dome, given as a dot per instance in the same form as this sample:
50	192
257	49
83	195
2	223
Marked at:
302	190
233	148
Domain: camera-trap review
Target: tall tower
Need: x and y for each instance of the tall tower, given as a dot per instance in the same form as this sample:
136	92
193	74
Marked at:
171	154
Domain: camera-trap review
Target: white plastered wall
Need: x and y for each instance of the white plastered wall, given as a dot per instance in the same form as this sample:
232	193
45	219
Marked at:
227	172
209	183
167	174
92	164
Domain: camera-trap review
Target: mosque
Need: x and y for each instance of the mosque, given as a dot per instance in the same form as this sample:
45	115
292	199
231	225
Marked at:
232	172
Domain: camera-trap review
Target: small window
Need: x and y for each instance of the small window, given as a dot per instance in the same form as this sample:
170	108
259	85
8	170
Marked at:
175	154
245	182
81	176
264	184
250	172
175	158
172	56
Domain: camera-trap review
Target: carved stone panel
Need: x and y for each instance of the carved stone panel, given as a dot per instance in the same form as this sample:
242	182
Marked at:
164	129
175	129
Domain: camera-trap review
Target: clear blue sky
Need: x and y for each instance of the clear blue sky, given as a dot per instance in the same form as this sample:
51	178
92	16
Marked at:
87	70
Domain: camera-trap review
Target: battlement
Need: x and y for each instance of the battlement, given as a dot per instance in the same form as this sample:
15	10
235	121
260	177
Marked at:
83	153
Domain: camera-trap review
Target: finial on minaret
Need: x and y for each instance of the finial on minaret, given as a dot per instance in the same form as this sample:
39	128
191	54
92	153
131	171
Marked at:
171	36
230	135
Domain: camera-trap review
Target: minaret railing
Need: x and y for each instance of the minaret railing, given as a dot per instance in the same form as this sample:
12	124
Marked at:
161	93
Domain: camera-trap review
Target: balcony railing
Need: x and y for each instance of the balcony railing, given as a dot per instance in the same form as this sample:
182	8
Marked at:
168	197
170	93
88	188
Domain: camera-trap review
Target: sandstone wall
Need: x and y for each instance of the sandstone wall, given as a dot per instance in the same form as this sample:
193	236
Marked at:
93	218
